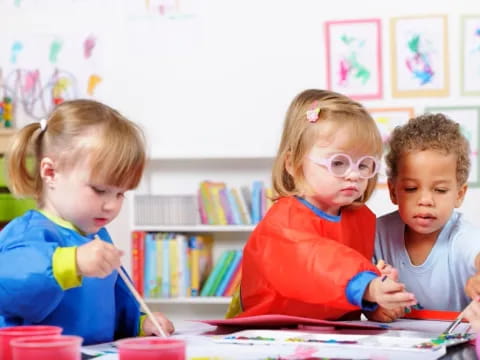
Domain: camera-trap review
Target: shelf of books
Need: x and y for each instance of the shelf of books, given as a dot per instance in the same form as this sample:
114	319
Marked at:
187	249
197	228
179	268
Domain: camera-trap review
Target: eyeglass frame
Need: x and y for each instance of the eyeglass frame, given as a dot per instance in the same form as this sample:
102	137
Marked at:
327	162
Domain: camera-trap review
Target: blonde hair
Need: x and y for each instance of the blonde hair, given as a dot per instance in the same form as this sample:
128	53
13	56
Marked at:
299	135
75	130
429	132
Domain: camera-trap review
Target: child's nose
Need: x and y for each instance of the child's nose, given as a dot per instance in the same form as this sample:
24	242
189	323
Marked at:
426	198
352	174
109	204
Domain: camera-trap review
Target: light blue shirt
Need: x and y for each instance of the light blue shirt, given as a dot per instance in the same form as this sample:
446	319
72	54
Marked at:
438	283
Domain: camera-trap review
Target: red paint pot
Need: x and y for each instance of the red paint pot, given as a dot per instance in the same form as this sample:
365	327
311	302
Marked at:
151	348
53	347
14	332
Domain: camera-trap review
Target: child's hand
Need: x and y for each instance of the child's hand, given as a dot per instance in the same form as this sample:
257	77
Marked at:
150	329
472	314
472	288
388	294
97	258
385	315
387	269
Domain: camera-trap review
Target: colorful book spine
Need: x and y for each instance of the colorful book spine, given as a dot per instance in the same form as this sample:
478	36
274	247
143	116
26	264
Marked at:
219	214
206	259
244	212
235	282
225	205
247	197
150	265
201	209
195	266
207	202
237	257
237	219
221	273
173	259
182	268
138	259
166	266
207	288
256	201
159	255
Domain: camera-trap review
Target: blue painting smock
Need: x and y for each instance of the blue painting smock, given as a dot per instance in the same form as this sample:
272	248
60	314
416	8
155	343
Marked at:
98	309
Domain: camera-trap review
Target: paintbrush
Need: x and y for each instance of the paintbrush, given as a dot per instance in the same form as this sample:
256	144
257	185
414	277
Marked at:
451	328
139	298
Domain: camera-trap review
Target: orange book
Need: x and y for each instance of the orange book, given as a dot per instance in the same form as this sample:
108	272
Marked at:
234	282
138	249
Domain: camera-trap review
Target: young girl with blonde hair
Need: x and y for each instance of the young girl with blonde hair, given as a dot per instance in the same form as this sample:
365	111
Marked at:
57	263
311	254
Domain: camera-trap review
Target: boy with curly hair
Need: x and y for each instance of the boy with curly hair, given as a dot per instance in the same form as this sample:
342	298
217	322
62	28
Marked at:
436	251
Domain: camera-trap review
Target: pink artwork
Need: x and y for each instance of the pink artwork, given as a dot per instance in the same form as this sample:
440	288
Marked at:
354	62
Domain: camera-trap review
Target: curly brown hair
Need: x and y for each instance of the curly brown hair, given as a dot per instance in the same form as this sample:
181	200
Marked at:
429	132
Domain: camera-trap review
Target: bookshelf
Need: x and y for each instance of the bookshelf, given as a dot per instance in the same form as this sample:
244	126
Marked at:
197	228
177	176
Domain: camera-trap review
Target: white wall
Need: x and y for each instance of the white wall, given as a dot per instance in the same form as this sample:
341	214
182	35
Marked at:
276	24
215	81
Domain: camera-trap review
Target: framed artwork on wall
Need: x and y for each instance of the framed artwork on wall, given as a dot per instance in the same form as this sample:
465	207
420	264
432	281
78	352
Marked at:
387	119
469	119
419	56
470	62
354	60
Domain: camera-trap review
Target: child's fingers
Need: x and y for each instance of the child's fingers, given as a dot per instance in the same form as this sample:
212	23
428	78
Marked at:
389	286
380	265
393	274
398	299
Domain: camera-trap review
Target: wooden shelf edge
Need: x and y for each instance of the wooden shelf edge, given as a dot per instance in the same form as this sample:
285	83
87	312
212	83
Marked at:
190	300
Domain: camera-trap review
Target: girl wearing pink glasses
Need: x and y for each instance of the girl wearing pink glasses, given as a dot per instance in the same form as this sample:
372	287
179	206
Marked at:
311	254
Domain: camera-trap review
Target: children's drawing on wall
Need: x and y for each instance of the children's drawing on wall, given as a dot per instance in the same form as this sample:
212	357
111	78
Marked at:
38	72
160	9
469	119
419	56
387	119
354	58
471	55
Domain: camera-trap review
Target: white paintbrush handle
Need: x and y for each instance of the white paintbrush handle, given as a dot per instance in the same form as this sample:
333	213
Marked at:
141	301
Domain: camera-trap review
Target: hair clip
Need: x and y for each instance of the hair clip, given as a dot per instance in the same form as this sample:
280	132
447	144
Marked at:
43	124
313	112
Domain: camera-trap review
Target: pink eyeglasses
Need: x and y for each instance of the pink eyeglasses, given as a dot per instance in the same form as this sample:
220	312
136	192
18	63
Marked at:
340	164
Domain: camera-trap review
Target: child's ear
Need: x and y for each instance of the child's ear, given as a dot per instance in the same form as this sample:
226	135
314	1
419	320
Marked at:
461	195
47	171
391	190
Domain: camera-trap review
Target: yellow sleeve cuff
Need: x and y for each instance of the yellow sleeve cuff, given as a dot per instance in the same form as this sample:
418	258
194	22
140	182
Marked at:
140	325
64	264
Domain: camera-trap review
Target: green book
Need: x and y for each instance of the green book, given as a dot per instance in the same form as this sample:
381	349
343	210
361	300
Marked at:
221	273
206	289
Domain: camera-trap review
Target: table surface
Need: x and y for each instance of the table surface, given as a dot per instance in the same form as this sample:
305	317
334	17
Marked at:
201	347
